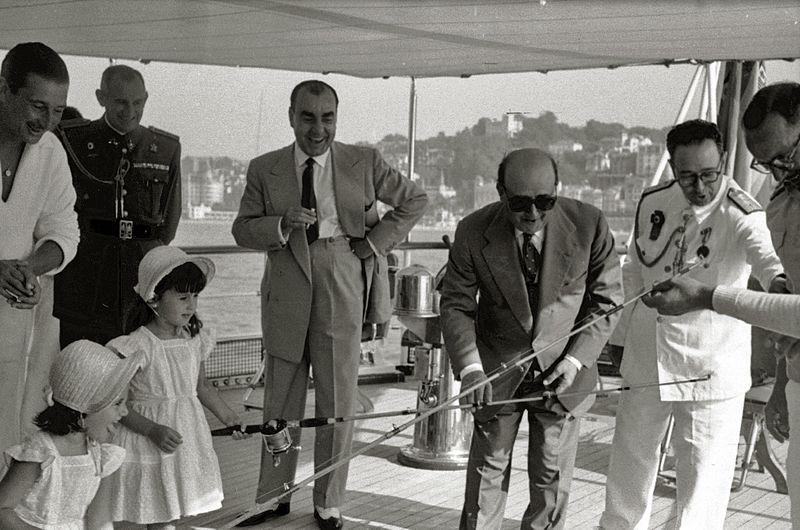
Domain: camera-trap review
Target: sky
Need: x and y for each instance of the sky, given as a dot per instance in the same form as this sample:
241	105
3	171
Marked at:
243	112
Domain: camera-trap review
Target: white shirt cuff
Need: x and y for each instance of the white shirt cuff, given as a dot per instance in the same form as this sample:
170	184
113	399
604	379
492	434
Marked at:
574	361
474	367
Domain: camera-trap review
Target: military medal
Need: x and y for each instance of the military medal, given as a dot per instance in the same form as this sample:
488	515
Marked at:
702	250
153	148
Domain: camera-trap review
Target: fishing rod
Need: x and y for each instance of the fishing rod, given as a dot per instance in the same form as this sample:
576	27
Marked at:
522	358
271	427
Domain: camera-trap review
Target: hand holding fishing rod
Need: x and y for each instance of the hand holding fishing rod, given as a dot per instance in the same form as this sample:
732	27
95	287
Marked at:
276	426
521	359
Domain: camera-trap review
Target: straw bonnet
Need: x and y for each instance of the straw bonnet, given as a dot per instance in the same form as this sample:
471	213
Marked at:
88	377
159	262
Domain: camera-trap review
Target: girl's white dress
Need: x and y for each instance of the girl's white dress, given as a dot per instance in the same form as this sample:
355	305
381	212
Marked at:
67	484
153	486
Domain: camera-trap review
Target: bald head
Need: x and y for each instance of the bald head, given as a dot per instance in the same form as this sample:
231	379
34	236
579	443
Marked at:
530	163
527	173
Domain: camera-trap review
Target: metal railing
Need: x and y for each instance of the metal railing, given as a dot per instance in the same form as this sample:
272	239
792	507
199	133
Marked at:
235	360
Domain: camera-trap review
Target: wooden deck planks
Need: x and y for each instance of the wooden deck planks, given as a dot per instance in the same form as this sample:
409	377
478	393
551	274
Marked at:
384	494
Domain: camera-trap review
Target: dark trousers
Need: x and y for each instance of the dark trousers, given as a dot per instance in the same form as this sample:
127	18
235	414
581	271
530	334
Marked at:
551	459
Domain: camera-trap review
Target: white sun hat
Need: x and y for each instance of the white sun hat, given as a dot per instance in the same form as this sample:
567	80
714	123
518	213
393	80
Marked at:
88	377
160	261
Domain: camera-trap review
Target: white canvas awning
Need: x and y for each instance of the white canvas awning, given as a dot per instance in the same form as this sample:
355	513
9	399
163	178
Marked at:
422	38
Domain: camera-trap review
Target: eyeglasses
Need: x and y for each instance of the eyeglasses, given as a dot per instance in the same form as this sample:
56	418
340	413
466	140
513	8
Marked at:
785	162
522	203
707	176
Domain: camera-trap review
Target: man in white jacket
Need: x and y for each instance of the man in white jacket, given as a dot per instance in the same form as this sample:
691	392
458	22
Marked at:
772	132
701	213
39	233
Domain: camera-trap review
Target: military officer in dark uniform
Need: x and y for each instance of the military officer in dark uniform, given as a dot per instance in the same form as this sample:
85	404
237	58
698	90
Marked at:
127	181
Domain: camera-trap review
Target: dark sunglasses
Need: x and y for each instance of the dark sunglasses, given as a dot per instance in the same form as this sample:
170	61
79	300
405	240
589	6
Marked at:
522	203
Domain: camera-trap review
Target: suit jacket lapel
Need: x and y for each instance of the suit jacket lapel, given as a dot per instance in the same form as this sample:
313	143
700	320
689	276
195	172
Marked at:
348	188
559	245
284	191
502	258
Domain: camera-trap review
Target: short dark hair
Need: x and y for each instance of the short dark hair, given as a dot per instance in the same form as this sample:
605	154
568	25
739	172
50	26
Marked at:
32	58
59	419
501	170
693	132
315	86
781	98
119	71
70	113
185	278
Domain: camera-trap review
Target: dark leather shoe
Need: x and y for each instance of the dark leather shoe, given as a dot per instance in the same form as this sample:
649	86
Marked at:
280	510
328	524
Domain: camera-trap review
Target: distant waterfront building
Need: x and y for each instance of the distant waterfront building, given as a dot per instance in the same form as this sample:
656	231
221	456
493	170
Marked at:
612	201
513	122
632	192
509	125
205	213
597	162
484	192
204	189
593	196
622	163
647	159
564	146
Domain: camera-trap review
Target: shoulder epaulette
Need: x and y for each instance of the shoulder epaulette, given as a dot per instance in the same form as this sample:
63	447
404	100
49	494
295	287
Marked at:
743	201
777	191
164	133
75	122
658	187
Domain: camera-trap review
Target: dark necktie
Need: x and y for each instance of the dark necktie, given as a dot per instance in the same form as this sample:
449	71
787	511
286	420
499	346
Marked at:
308	200
531	262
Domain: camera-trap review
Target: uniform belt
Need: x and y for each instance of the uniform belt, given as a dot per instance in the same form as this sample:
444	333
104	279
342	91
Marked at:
123	229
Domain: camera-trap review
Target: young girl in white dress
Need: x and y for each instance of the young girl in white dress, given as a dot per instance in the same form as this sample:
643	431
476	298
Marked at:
171	470
54	474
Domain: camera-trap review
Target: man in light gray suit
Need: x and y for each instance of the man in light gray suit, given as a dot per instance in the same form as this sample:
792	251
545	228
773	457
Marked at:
522	273
313	207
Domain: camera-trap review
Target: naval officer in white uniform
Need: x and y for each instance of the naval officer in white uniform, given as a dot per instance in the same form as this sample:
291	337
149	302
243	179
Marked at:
703	212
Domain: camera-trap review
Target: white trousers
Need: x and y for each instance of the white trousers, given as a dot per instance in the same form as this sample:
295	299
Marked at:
705	438
793	457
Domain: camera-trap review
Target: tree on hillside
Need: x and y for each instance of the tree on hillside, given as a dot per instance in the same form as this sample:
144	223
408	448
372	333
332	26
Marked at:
596	130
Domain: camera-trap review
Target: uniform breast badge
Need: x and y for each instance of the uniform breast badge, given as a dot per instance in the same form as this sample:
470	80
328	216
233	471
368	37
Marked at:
657	222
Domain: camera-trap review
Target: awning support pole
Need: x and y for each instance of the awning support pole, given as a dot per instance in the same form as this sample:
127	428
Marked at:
687	102
412	140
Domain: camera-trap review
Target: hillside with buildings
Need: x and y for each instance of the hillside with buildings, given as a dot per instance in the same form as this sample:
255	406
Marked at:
605	164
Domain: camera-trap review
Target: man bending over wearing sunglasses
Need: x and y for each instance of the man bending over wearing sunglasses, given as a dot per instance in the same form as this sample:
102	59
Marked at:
522	273
701	213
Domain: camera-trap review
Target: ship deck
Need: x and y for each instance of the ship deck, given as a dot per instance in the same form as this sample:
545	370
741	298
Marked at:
385	494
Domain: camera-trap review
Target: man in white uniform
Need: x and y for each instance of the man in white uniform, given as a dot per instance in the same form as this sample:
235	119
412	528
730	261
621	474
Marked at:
772	132
39	233
701	212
